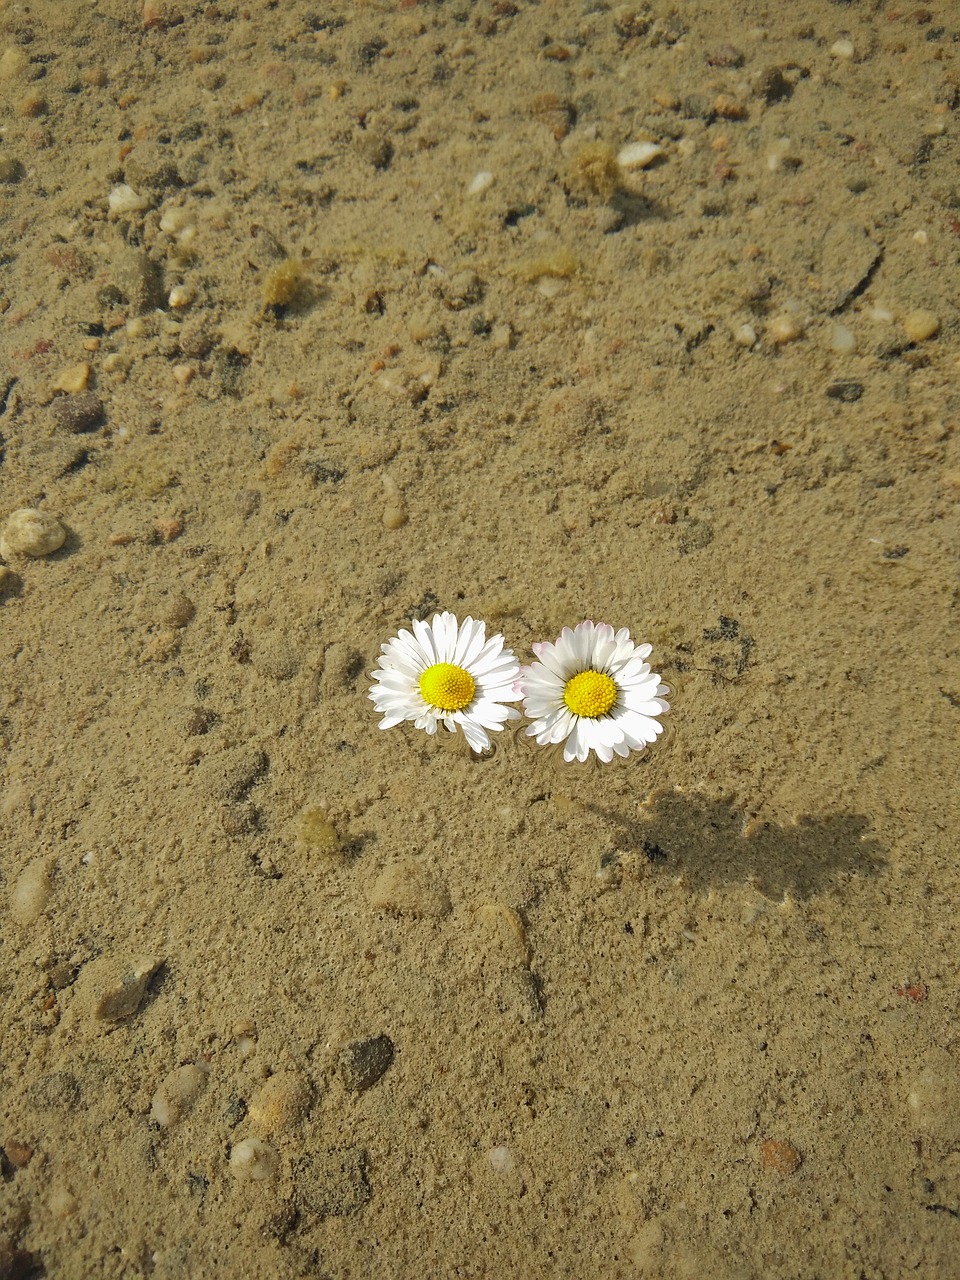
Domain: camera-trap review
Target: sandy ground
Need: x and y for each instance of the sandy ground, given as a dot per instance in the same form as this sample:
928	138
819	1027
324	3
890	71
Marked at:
319	317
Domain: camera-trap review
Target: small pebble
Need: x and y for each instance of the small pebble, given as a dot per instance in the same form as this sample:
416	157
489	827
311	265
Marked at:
181	295
178	1091
779	1157
12	170
408	887
507	928
843	49
784	328
168	528
120	999
180	612
18	1153
842	340
281	1103
638	155
176	219
364	1062
920	325
79	412
123	200
479	183
394	517
253	1160
846	392
73	379
29	532
31	892
315	836
745	335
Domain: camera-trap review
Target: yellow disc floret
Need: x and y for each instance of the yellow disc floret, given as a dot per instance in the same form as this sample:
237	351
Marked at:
591	694
447	686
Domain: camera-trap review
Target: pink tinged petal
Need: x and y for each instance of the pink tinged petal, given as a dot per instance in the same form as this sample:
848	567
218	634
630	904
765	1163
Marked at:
555	659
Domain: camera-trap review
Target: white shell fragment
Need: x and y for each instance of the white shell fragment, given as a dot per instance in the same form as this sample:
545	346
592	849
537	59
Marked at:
120	998
638	155
123	199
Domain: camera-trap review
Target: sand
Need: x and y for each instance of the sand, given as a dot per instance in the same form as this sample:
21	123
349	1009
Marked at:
317	318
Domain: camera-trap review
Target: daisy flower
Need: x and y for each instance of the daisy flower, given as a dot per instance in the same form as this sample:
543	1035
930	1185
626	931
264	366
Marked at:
447	672
593	690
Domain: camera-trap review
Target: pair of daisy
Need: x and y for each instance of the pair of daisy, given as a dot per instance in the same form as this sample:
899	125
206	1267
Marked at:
591	689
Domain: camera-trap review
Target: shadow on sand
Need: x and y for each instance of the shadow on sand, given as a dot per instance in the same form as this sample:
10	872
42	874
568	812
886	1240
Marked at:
706	842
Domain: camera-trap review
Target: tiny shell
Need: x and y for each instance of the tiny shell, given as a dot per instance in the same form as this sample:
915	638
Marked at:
253	1160
638	155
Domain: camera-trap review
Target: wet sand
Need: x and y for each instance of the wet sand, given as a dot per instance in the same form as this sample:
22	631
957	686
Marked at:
317	318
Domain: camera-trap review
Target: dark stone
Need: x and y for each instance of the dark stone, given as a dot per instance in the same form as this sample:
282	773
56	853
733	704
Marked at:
772	85
364	1062
847	392
80	412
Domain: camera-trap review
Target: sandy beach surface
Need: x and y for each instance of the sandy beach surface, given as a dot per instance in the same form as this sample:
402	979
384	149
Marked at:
317	318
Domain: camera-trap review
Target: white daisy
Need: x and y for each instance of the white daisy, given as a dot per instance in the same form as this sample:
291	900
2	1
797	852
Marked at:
593	690
447	673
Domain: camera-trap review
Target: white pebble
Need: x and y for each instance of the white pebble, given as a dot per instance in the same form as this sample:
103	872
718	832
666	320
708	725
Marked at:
844	49
29	532
637	155
842	340
253	1160
479	183
175	219
123	199
181	295
178	1091
784	328
745	335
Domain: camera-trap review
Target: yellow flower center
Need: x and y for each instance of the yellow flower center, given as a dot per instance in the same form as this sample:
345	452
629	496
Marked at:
591	694
447	686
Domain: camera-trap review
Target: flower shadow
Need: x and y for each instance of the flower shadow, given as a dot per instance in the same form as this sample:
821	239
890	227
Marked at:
706	842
